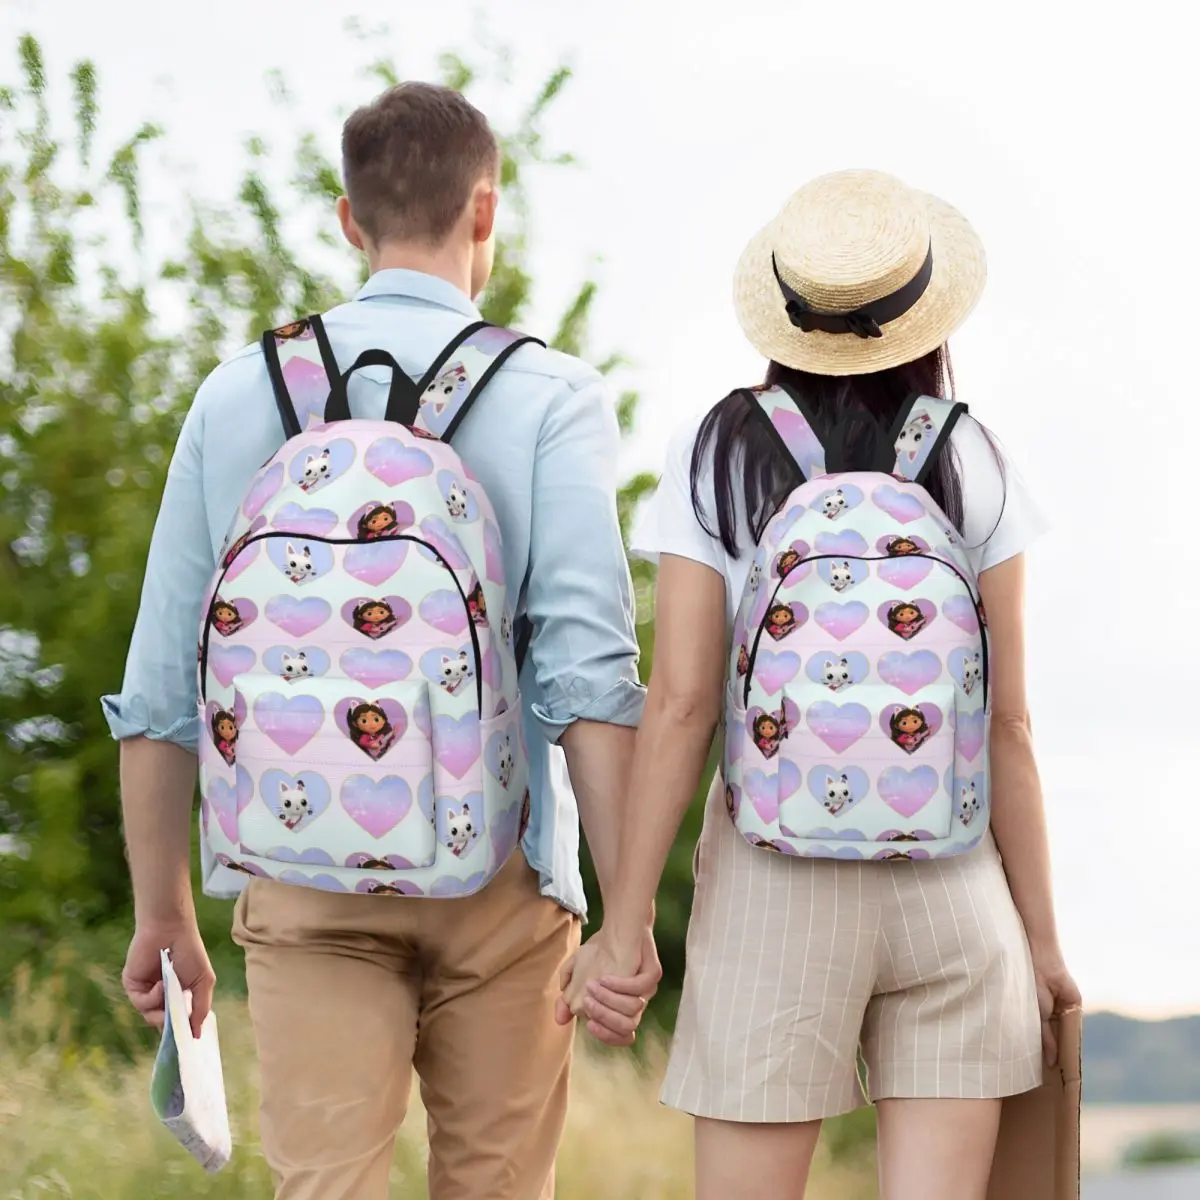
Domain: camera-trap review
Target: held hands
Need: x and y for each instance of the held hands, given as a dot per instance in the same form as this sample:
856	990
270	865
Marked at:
142	977
609	987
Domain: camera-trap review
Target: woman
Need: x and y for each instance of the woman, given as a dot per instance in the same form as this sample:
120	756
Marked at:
935	969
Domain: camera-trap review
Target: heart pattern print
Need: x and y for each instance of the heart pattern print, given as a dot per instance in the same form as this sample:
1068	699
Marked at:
361	721
857	711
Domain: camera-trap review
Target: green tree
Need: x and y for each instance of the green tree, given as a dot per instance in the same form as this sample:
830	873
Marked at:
93	387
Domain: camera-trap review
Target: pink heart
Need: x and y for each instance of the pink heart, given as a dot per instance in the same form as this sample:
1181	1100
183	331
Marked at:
839	726
263	490
375	562
907	792
773	670
227	661
376	806
291	722
841	620
456	743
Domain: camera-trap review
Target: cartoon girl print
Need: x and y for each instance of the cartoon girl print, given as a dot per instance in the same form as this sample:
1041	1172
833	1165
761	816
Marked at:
225	618
893	856
905	620
366	863
378	522
787	561
743	661
769	731
780	621
477	605
374	618
897	547
442	390
225	735
909	729
384	889
290	332
370	729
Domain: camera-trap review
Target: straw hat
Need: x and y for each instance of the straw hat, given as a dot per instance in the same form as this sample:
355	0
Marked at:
857	273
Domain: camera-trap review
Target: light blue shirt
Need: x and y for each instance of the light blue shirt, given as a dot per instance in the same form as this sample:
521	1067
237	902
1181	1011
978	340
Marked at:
542	439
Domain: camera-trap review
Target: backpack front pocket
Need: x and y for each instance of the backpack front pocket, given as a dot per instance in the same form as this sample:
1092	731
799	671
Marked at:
869	764
334	775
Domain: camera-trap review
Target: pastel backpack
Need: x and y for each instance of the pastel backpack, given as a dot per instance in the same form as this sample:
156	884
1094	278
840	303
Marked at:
856	719
360	719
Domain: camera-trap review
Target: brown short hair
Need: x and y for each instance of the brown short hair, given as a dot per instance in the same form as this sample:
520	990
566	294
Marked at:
410	159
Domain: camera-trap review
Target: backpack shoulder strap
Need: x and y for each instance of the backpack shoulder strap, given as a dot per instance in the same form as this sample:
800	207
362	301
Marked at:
302	369
922	427
786	415
463	369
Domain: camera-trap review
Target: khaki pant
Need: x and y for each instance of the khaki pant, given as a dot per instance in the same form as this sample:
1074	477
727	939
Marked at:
348	993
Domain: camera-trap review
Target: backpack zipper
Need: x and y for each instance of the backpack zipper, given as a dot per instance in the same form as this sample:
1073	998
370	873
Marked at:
978	606
347	541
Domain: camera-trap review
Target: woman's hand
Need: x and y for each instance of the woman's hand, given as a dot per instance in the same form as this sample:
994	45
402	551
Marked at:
1056	993
610	986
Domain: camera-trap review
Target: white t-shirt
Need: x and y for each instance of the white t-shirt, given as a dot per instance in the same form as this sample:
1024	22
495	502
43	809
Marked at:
1000	518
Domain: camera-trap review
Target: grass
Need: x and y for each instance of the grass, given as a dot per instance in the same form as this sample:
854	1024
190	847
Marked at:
75	1122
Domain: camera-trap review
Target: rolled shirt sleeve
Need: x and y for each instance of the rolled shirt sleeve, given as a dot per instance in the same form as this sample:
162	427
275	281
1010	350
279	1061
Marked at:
158	696
579	596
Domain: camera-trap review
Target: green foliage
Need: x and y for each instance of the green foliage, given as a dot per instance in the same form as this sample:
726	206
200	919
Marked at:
93	386
1162	1149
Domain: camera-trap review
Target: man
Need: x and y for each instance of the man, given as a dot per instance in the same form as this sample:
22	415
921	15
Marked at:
347	992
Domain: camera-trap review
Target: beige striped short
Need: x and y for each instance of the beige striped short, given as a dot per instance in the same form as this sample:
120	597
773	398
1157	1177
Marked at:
794	965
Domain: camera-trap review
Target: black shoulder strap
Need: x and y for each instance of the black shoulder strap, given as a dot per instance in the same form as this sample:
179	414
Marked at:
922	427
460	373
291	352
783	412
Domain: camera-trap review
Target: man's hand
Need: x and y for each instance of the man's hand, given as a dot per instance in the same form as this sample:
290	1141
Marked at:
610	989
142	977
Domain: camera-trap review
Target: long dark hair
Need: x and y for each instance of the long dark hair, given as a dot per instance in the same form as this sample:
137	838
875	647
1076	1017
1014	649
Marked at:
855	414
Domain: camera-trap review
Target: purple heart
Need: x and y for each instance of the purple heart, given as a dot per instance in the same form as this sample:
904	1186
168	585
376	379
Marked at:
306	522
845	544
312	856
291	722
910	672
763	791
298	617
961	611
900	506
438	534
376	561
774	670
452	885
374	668
376	806
907	792
906	572
393	463
841	620
262	490
839	726
227	661
790	778
322	881
493	553
397	887
969	732
493	669
800	439
456	745
296	801
445	612
229	800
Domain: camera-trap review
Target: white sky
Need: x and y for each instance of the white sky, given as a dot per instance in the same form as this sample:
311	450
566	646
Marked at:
1067	138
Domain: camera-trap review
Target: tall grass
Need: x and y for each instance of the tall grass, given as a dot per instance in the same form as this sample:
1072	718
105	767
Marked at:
75	1121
